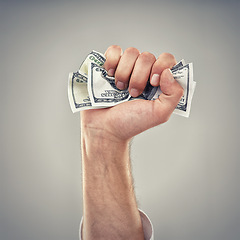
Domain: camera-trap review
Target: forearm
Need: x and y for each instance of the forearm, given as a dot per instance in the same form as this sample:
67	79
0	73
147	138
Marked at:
110	209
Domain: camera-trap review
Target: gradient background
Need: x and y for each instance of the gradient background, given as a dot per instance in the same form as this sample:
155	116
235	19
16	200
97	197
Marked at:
186	171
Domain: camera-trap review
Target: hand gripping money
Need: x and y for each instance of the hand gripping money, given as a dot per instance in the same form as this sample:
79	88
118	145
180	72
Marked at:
109	205
92	87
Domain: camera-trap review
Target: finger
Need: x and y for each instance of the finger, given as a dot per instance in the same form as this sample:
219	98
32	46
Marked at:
113	54
125	67
165	60
169	98
140	74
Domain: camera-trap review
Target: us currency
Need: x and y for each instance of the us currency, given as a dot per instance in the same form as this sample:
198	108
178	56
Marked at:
77	83
92	57
91	87
102	89
103	92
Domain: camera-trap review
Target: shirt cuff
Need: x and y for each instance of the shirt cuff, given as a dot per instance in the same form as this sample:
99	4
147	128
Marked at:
146	223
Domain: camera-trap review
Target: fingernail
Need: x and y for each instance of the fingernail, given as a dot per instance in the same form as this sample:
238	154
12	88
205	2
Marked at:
155	79
170	76
111	72
120	85
134	92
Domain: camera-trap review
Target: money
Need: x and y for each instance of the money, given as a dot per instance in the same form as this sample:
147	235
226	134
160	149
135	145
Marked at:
77	92
77	83
102	89
93	57
91	87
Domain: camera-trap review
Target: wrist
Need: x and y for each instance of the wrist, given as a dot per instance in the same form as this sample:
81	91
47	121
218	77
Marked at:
103	128
94	145
101	136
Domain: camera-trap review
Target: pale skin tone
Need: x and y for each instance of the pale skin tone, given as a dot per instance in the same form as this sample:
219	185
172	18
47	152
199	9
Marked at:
109	205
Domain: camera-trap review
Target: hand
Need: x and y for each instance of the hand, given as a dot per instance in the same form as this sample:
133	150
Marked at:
132	70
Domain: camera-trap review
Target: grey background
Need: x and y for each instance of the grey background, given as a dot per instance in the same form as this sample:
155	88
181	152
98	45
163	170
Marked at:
186	171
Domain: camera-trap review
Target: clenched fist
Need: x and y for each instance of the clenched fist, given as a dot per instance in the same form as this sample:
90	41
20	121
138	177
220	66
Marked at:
132	70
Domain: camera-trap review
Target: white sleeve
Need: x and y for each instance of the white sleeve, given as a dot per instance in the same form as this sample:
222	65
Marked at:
146	223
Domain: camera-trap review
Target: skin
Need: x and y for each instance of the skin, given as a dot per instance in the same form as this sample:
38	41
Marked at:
109	204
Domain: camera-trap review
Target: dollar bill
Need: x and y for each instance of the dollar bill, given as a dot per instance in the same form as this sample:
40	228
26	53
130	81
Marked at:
77	83
77	92
185	79
92	88
178	65
103	92
102	89
92	57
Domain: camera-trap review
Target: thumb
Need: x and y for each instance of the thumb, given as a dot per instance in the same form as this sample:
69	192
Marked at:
169	98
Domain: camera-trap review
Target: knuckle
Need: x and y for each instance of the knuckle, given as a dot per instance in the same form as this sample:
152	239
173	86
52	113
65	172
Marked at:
114	48
147	56
112	54
165	60
132	50
168	56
